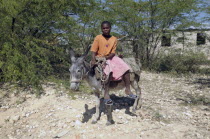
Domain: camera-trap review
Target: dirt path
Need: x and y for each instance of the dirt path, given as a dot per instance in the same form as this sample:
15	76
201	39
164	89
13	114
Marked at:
173	108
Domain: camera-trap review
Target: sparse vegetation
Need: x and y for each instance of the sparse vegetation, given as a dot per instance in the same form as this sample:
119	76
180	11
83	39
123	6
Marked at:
179	63
33	45
161	112
85	88
195	100
157	116
20	101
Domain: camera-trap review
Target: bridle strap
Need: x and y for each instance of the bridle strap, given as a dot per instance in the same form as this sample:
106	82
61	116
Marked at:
76	81
79	80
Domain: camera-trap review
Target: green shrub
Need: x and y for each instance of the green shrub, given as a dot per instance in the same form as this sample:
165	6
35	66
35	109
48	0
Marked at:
178	62
30	49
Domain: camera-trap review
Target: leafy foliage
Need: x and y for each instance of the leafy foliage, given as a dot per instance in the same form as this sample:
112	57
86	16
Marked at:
35	34
179	63
145	21
29	46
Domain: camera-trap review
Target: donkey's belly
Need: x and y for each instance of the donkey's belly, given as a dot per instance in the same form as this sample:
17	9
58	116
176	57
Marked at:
116	85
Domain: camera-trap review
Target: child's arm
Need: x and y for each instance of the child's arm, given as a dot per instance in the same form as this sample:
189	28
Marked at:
94	49
110	56
93	59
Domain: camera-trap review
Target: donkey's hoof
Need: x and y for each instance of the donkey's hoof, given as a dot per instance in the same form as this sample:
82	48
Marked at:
140	105
134	110
94	122
109	122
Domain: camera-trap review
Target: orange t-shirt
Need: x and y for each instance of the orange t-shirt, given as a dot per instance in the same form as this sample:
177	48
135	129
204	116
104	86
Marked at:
104	47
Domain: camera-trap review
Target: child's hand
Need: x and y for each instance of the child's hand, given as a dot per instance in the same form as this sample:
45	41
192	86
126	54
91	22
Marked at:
92	63
120	56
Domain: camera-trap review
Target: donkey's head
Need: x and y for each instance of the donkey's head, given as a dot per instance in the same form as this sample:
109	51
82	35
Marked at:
77	69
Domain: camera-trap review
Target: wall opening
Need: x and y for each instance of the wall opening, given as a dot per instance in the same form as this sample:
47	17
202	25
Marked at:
166	40
201	39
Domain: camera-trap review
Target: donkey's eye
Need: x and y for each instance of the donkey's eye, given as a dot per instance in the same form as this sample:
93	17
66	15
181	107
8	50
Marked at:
78	70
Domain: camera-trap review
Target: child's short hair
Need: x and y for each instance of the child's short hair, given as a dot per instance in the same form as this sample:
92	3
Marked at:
106	22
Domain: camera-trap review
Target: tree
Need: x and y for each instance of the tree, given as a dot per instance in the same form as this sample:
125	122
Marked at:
36	33
88	18
29	34
145	21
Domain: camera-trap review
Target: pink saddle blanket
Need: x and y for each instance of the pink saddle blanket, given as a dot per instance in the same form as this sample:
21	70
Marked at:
117	66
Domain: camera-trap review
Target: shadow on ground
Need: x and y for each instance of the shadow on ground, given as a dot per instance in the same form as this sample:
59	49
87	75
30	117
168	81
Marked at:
204	83
119	103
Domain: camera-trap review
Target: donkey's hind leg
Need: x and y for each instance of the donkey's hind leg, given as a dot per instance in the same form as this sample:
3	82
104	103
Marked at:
96	116
138	101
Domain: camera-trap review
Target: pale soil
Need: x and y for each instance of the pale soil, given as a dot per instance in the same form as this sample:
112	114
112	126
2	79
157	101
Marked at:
167	112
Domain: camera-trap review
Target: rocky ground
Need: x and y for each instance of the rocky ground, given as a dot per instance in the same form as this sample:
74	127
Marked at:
172	108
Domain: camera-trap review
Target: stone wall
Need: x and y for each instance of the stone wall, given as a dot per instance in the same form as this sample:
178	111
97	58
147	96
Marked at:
189	42
176	42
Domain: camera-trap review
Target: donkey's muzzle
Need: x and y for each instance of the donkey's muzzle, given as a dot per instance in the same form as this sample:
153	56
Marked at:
74	86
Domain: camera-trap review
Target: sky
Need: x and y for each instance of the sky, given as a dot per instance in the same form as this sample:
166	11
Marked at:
203	14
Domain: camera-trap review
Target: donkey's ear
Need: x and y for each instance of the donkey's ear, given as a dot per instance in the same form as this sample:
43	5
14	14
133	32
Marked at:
86	52
72	55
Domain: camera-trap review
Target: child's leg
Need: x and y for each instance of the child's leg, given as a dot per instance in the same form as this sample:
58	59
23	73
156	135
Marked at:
126	78
107	99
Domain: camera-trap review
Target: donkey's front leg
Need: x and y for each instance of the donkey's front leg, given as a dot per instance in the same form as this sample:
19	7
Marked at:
109	114
108	105
96	116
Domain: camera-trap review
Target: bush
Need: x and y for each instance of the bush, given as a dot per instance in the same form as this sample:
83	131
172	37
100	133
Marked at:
30	49
178	62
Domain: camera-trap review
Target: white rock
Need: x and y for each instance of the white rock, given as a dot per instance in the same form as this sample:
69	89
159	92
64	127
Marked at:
5	107
60	124
78	123
11	137
74	110
42	133
28	96
49	114
53	125
162	123
27	114
125	122
14	119
78	116
68	107
117	110
52	110
61	134
65	125
129	118
72	124
68	121
188	114
120	117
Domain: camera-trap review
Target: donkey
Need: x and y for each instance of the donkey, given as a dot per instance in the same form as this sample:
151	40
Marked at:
80	69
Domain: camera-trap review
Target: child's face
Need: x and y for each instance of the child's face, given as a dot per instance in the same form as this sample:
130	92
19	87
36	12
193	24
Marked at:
106	29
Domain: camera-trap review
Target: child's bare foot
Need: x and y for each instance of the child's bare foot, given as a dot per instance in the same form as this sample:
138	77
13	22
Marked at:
130	94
